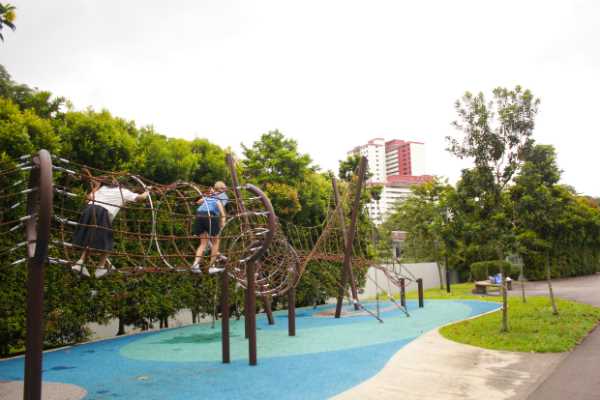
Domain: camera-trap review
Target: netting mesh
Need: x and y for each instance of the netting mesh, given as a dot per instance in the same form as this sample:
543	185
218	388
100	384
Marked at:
151	235
157	235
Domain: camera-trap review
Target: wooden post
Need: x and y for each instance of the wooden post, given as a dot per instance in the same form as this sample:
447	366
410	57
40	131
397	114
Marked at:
292	312
38	236
420	288
246	319
250	303
347	266
268	310
225	317
350	272
251	313
447	273
402	292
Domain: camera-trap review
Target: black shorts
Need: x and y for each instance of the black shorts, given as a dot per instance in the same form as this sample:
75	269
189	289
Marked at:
206	223
97	236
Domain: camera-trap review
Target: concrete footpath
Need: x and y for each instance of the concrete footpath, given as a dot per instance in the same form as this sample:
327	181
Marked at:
577	377
434	368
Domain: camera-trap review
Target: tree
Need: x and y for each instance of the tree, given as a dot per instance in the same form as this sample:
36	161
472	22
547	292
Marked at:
22	132
538	204
275	164
496	135
99	140
425	218
42	103
31	119
348	167
7	17
276	159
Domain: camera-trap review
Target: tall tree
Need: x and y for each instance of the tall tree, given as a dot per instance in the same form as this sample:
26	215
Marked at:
275	164
538	204
495	135
7	17
424	216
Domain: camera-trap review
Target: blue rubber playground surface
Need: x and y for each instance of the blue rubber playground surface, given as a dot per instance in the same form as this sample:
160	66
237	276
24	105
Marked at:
326	357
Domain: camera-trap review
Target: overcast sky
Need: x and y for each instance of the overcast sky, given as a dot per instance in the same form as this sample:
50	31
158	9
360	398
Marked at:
330	74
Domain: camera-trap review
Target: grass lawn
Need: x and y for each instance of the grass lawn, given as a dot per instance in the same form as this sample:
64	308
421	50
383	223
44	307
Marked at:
532	327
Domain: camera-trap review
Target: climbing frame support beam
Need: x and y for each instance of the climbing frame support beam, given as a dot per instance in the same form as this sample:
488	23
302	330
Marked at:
225	317
292	311
420	291
250	298
349	239
38	233
402	292
340	212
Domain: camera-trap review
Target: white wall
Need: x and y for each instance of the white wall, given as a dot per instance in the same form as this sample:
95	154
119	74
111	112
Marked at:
426	271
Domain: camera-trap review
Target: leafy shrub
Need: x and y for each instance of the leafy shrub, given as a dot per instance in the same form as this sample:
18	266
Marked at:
483	269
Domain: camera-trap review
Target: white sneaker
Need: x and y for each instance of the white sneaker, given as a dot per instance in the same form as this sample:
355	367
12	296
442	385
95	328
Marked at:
215	270
81	270
196	269
100	272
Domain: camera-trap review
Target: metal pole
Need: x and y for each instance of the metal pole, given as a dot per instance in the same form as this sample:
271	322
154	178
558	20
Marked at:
292	312
225	317
347	266
420	288
38	235
402	292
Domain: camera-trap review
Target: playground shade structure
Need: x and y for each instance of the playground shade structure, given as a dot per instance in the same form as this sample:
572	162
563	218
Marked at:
327	357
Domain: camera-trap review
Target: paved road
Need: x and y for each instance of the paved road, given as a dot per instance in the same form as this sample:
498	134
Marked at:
577	377
585	289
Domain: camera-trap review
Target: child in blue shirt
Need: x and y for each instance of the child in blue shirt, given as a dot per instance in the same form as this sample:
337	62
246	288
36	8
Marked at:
210	218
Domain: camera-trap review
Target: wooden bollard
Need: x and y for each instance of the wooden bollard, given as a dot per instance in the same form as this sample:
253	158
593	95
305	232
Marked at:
292	312
420	288
225	316
402	292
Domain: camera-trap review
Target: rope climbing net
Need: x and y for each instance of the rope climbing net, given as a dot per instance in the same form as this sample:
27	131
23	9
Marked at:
154	235
296	246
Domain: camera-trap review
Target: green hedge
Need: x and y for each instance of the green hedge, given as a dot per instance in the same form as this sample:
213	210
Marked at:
481	270
574	263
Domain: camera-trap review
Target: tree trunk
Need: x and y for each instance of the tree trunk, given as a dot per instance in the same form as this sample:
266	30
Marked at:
550	291
504	305
121	330
447	273
504	297
439	267
523	288
194	317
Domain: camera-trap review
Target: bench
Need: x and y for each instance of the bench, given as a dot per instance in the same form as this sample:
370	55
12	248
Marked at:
481	287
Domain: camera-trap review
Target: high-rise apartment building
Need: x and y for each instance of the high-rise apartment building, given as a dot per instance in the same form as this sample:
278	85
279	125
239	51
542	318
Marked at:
374	150
395	164
392	158
404	158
